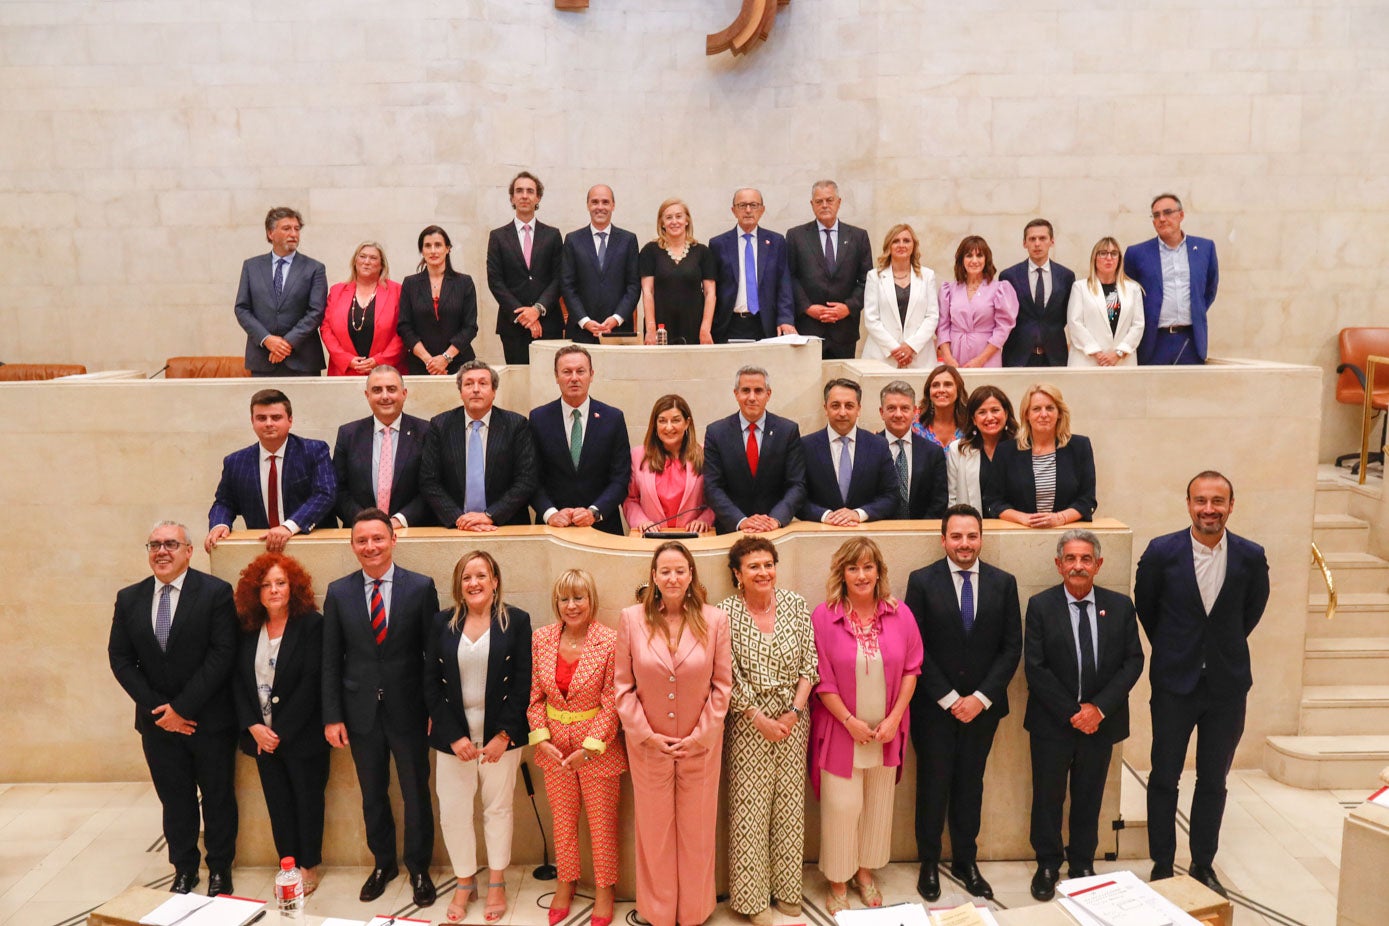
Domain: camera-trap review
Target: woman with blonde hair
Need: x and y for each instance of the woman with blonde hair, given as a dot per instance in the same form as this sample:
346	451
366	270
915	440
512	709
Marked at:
666	489
677	279
1104	318
1046	476
359	321
900	310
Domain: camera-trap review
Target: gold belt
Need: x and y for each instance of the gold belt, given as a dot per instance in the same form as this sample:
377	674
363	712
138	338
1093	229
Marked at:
568	717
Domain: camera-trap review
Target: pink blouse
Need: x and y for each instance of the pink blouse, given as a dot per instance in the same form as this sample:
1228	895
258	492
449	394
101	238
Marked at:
670	487
968	325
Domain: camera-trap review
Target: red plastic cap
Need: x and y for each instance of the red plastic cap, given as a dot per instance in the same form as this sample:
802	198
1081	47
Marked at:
287	863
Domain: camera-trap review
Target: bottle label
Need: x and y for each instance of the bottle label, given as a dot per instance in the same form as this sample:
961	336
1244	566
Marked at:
289	892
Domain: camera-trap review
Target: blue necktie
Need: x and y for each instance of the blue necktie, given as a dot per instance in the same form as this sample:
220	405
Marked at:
474	492
966	601
602	248
829	250
846	468
279	277
163	617
750	274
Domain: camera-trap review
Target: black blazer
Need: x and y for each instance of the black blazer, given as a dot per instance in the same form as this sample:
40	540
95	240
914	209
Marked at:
508	682
193	674
1053	675
813	284
929	489
986	659
354	464
1038	325
511	469
1182	637
456	324
872	480
597	294
1008	481
605	462
729	486
296	697
364	684
514	285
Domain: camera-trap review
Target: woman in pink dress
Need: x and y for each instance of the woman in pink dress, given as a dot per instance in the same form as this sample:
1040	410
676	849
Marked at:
977	311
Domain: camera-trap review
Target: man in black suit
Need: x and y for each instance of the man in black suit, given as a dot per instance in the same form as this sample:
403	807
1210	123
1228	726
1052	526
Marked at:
377	458
581	451
280	302
172	646
523	267
972	630
1200	593
849	477
478	471
598	274
1082	657
754	465
374	627
919	465
754	285
1043	288
829	262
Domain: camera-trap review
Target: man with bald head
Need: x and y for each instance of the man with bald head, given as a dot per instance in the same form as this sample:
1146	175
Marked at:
754	284
598	274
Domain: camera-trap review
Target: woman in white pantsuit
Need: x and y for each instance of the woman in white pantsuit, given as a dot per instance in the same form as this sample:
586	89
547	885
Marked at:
899	304
1104	319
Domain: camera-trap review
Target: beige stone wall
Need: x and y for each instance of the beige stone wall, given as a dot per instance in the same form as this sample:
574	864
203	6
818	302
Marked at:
141	143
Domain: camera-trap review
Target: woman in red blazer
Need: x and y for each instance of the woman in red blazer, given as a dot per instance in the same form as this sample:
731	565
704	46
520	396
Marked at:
359	324
667	485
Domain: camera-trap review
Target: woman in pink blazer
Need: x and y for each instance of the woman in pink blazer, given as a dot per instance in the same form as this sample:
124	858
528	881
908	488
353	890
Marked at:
977	311
359	323
674	676
667	489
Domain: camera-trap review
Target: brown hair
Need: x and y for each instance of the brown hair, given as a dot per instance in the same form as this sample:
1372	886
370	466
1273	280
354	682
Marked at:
460	609
850	552
969	245
972	438
744	546
691	453
886	257
692	608
928	411
250	613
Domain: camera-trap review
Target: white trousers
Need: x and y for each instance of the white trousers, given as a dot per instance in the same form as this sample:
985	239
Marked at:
457	783
856	820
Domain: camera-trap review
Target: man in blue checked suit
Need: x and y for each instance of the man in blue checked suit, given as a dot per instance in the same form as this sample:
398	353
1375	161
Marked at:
283	484
280	302
849	474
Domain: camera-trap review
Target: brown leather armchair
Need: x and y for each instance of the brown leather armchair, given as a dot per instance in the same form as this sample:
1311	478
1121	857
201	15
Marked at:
205	367
30	372
1356	345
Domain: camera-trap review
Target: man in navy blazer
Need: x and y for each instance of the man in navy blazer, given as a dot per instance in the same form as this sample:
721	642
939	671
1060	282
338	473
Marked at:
829	262
751	254
1039	337
283	484
918	464
849	476
280	302
1200	593
1082	657
387	441
523	269
1179	274
598	274
580	484
754	465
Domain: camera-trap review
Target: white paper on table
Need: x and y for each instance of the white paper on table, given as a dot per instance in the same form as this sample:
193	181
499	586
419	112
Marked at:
902	914
176	908
339	921
796	339
1380	797
1151	901
225	910
985	913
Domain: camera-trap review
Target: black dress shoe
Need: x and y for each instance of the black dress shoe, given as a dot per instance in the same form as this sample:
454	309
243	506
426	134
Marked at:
1080	871
218	882
1044	883
423	888
1161	872
1206	875
973	881
184	881
928	881
376	883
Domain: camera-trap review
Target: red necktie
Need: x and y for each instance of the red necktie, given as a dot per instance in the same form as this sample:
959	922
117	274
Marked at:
752	449
272	495
378	612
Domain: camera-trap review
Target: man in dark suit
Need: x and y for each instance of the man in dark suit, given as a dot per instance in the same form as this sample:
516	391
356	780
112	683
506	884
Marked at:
283	484
377	458
918	464
754	465
1200	593
1082	657
754	286
1043	288
1179	274
581	451
598	274
523	268
849	476
972	630
829	263
280	302
478	471
374	627
172	646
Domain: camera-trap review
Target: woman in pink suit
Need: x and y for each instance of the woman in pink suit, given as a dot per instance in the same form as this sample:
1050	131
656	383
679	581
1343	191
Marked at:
977	311
674	675
359	324
666	489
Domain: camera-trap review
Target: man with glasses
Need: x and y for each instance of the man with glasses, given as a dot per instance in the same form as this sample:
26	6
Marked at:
829	262
754	285
1179	275
172	645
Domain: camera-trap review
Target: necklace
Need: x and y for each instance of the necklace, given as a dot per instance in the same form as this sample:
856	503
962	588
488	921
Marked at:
358	322
684	252
570	643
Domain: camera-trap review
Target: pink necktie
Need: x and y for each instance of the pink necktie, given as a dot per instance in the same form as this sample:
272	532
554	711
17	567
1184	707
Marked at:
385	469
526	244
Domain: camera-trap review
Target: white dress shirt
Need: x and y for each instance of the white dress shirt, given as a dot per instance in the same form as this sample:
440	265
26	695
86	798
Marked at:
952	696
472	673
1210	565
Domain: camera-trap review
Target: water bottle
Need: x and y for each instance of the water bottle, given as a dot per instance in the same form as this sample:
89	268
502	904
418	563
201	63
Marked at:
662	338
289	891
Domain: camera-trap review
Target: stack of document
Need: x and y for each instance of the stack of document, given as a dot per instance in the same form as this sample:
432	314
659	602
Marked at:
195	910
1119	898
914	914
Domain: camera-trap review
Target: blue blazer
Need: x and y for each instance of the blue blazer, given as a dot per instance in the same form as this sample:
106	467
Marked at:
508	691
295	316
775	302
1182	636
1008	482
605	463
872	480
593	293
729	486
1143	262
354	465
307	479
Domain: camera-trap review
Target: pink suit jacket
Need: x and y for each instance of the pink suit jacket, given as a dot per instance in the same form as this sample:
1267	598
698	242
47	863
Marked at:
683	694
643	505
386	345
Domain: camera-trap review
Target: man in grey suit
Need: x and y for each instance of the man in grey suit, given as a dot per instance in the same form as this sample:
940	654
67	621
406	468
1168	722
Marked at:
829	262
280	302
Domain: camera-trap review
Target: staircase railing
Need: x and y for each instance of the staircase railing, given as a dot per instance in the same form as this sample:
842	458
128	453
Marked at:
1328	578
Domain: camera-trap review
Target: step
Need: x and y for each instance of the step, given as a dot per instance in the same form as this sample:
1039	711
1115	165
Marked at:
1342	710
1332	498
1360	615
1353	573
1346	661
1340	533
1327	762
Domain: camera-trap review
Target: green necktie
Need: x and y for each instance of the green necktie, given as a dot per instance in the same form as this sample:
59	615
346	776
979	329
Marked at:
576	437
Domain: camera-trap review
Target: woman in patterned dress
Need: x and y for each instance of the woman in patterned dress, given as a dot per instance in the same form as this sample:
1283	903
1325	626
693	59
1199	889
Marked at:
767	733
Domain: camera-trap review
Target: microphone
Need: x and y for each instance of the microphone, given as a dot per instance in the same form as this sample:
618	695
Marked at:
158	371
545	871
654	533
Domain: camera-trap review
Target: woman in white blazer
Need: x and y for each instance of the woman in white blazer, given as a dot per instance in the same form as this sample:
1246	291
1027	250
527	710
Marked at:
1104	318
899	304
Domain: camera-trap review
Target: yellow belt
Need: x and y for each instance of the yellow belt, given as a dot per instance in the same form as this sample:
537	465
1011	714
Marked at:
568	717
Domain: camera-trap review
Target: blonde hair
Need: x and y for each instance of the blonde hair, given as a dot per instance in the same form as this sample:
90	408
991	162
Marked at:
352	264
460	609
693	606
1063	415
886	257
1120	278
850	552
689	222
571	582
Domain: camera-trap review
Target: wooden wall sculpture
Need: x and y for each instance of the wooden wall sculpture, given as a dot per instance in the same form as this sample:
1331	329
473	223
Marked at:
750	29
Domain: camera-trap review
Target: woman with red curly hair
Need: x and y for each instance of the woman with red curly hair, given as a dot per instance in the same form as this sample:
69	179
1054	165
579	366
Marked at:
279	702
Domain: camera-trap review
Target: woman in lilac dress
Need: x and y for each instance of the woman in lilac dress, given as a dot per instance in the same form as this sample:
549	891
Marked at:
977	311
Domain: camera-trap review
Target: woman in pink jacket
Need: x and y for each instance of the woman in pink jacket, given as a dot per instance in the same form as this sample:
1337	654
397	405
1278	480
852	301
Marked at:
359	323
666	490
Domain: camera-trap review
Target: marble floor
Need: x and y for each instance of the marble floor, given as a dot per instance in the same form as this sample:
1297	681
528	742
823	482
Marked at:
66	848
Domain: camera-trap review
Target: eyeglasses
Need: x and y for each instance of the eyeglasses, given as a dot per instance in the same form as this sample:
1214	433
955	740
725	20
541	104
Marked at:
1106	253
1164	213
747	205
169	546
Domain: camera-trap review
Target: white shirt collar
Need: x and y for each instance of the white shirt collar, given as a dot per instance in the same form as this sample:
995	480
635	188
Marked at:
519	225
387	576
1200	549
